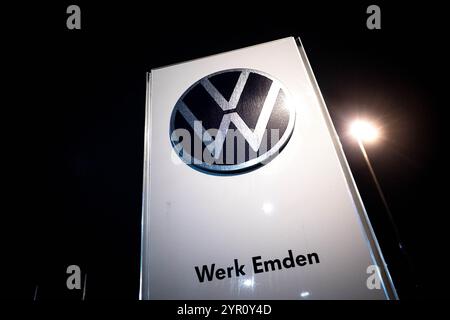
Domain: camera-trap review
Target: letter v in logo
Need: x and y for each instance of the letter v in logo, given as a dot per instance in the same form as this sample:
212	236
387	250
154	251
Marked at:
232	120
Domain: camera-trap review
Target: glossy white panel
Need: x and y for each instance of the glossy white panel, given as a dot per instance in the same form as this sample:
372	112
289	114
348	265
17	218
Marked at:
303	200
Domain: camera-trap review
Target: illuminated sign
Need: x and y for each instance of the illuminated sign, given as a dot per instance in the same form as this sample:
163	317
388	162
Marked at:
247	193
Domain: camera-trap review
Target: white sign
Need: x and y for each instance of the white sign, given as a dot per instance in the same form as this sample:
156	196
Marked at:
247	193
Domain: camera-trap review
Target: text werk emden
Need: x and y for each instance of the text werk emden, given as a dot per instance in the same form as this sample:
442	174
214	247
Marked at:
210	272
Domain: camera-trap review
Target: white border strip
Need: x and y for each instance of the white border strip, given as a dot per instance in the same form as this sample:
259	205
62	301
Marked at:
144	292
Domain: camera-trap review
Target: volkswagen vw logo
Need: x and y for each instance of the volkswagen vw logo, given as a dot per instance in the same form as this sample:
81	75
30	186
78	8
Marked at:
231	121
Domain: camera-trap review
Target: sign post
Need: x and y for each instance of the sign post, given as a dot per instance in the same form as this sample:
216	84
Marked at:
247	193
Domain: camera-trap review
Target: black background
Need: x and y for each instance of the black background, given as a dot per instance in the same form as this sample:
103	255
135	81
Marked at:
74	120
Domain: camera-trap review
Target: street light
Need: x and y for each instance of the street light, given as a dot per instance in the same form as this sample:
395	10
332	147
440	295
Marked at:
365	131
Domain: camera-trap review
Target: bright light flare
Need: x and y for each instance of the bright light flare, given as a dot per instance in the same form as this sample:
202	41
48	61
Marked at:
249	283
364	131
267	208
304	294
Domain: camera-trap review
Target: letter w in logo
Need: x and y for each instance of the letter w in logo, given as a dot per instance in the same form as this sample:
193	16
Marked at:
253	137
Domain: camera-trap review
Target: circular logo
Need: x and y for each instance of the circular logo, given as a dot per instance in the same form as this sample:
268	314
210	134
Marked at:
231	121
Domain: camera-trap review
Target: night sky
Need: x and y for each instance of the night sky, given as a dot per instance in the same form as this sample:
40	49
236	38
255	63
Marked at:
75	128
